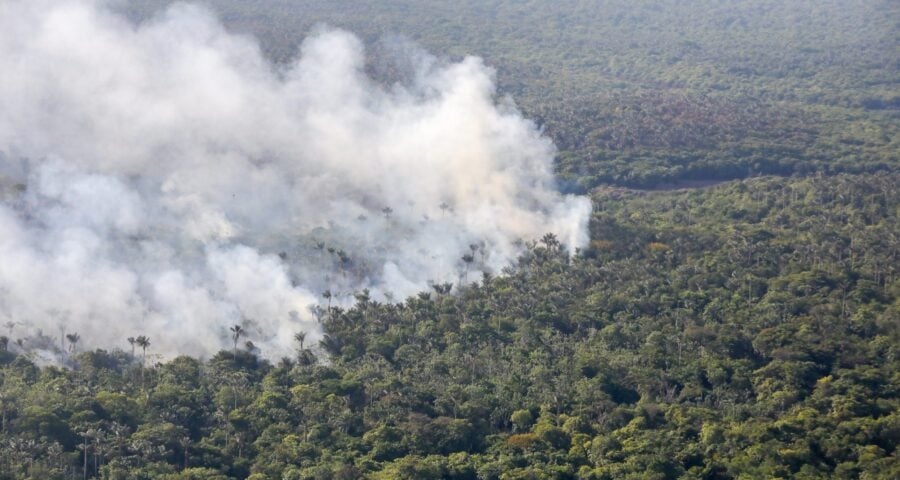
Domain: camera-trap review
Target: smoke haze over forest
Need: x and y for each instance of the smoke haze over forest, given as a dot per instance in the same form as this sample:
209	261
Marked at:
165	179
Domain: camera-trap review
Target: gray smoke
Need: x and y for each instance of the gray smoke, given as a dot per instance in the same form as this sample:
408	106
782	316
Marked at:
165	179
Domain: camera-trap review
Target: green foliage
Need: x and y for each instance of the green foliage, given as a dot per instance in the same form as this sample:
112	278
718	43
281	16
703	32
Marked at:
522	419
747	330
760	342
647	94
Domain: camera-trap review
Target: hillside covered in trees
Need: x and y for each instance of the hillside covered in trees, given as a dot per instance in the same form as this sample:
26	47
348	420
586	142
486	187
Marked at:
744	331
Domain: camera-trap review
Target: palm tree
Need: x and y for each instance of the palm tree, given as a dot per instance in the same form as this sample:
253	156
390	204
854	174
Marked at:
550	242
300	337
328	296
445	207
236	332
62	337
442	288
306	358
331	344
185	443
131	341
344	260
143	342
73	341
86	432
467	260
7	404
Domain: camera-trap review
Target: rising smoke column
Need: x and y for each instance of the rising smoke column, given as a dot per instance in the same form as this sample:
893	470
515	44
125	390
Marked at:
165	179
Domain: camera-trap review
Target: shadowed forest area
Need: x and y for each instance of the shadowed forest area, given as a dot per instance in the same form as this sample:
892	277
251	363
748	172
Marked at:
748	329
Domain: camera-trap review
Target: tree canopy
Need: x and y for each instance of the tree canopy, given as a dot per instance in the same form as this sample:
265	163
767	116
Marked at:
748	330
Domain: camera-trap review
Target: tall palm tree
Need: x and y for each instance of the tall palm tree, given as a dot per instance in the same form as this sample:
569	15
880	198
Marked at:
236	332
300	337
73	341
442	288
131	341
62	337
143	342
328	296
6	407
467	260
185	443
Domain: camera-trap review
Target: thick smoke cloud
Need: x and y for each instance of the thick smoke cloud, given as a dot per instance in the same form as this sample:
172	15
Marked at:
165	179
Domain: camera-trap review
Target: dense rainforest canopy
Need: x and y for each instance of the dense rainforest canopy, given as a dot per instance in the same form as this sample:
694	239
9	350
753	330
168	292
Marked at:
747	329
643	94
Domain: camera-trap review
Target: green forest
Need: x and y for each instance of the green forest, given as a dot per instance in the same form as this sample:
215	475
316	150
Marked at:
748	330
649	94
736	314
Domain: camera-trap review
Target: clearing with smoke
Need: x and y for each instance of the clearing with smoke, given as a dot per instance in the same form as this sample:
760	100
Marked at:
486	240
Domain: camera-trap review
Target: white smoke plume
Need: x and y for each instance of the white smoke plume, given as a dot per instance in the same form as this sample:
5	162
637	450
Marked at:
165	179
